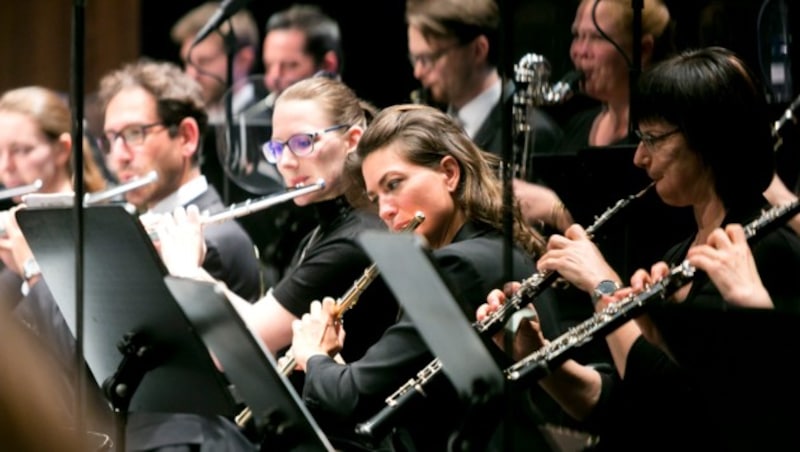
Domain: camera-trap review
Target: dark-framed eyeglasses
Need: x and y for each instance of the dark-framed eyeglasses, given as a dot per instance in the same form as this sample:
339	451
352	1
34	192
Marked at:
132	135
650	141
300	144
427	60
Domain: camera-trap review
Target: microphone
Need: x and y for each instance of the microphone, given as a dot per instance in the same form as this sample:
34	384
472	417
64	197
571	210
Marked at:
226	9
566	87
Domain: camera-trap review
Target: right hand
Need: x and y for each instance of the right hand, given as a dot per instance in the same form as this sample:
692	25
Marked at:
182	246
529	337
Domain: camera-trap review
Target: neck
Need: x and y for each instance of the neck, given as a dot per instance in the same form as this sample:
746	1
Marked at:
449	231
475	86
708	216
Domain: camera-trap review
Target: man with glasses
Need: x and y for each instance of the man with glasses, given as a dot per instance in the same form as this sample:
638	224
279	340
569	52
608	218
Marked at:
155	120
454	51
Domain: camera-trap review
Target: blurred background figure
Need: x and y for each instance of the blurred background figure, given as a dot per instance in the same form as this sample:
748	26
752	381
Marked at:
35	144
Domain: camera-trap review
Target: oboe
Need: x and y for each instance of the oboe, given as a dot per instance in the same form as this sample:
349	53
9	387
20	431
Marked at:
539	363
531	288
343	304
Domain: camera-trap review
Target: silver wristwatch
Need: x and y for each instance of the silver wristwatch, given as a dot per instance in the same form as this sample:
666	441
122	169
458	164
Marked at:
605	287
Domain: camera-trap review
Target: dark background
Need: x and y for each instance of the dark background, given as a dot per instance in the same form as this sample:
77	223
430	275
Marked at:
374	36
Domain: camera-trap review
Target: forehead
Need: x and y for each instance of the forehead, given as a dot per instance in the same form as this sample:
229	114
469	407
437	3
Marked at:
209	46
297	116
608	15
418	41
382	161
133	105
284	44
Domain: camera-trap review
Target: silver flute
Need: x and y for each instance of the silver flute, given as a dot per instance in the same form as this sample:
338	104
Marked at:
96	198
21	190
531	288
254	205
541	362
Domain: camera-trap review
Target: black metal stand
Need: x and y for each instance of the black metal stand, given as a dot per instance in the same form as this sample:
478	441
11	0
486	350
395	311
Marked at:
138	359
139	343
636	62
281	420
415	280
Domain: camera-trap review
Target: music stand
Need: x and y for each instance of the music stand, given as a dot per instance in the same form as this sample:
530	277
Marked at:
742	362
281	418
138	342
416	282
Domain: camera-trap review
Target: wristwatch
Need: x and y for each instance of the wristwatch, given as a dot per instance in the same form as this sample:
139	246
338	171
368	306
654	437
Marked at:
605	287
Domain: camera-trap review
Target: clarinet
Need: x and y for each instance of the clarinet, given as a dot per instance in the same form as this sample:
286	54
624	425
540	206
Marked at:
541	362
531	288
287	363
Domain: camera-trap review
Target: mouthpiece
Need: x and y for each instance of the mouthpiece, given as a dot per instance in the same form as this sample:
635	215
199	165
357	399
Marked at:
566	87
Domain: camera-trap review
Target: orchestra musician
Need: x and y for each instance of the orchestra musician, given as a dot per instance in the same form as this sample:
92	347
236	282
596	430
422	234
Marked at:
687	107
36	144
317	123
414	157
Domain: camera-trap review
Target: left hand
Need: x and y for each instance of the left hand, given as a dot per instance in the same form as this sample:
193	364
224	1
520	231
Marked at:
727	259
576	258
14	249
318	332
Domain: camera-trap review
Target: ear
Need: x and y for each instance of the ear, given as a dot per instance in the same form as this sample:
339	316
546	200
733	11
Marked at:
189	136
62	151
352	136
648	44
243	60
451	172
330	62
480	46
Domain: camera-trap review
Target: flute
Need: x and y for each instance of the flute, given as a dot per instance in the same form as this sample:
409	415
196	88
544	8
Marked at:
250	206
531	288
343	304
91	199
151	220
541	362
21	190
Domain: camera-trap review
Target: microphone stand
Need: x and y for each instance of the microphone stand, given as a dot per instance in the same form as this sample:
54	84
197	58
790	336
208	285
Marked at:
77	102
229	40
636	62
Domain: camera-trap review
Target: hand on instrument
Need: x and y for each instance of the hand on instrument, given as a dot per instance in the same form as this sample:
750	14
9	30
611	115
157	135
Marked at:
528	337
14	249
727	259
541	204
182	246
318	332
576	258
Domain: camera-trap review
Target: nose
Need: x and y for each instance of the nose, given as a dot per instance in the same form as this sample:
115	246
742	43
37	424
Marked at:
387	210
6	162
287	159
641	158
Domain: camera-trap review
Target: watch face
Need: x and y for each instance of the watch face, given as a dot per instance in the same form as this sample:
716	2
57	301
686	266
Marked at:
607	287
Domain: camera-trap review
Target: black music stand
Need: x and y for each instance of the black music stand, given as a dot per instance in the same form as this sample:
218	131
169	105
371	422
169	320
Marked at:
280	416
743	363
137	341
416	282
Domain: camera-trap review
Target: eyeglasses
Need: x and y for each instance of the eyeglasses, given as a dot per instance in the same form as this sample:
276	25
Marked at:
301	144
132	135
427	60
650	141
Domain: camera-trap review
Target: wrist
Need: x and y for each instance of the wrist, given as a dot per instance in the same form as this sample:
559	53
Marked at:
605	287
